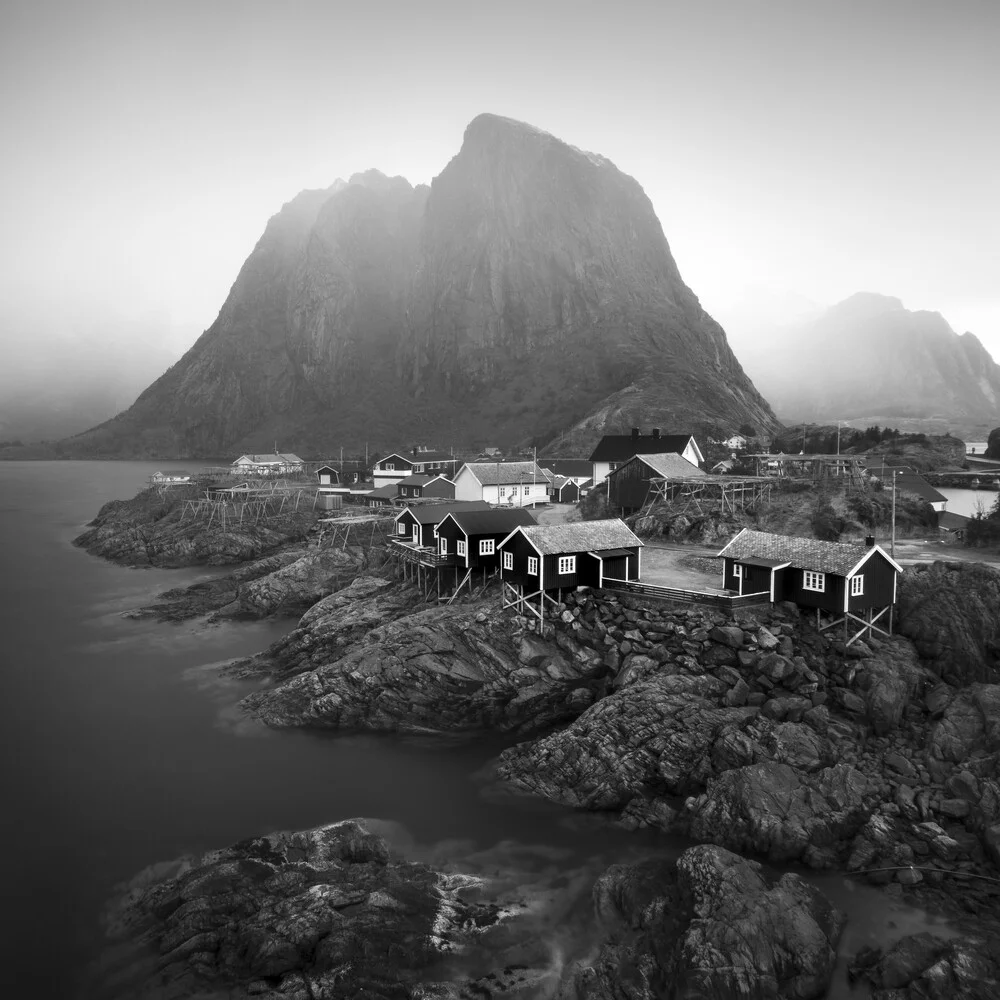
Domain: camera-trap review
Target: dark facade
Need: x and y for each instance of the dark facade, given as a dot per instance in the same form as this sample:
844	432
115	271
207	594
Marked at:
567	492
475	536
590	568
629	485
327	476
416	487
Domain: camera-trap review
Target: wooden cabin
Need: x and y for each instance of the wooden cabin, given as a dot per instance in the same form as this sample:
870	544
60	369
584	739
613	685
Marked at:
327	476
416	487
835	578
614	450
381	496
474	536
563	490
546	557
417	524
503	484
415	462
630	485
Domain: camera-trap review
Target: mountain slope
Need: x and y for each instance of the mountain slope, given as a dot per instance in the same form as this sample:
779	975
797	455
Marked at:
869	358
523	292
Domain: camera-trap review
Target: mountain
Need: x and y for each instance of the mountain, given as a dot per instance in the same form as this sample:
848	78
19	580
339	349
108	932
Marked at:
870	359
529	289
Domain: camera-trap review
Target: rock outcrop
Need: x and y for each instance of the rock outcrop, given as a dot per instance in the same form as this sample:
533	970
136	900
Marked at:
714	926
532	280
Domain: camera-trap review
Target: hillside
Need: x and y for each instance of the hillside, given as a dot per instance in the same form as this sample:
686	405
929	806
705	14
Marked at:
528	290
870	360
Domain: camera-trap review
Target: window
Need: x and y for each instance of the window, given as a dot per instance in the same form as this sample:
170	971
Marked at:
460	547
813	581
508	560
567	564
503	491
857	586
400	528
443	545
737	570
532	566
389	466
486	546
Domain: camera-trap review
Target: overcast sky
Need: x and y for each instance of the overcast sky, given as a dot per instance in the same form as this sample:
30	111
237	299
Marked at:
798	150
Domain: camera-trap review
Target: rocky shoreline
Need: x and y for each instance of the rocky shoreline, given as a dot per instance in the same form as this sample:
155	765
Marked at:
755	736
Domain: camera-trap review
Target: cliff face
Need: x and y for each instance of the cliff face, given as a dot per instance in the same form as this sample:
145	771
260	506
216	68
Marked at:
530	288
870	358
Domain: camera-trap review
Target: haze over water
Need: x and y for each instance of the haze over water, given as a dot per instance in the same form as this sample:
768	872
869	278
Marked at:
121	749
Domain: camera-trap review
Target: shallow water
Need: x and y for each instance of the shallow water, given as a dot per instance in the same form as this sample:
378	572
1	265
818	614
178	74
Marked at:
122	747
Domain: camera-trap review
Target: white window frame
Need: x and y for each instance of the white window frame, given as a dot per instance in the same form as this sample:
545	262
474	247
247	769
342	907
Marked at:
532	565
857	586
389	467
503	491
567	565
401	526
442	545
487	546
738	570
460	547
814	581
508	560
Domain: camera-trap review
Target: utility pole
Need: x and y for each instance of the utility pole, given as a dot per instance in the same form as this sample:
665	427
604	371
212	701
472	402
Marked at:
838	437
892	538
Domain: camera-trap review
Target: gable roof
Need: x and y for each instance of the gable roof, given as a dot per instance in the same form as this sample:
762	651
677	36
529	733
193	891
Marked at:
383	492
621	447
326	468
420	456
581	536
838	558
670	465
421	480
493	520
952	522
434	513
281	458
504	473
571	468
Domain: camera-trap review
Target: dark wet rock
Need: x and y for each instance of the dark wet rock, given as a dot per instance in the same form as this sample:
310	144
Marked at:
448	669
714	926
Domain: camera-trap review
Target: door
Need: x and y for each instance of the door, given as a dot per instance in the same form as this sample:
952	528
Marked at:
443	545
416	534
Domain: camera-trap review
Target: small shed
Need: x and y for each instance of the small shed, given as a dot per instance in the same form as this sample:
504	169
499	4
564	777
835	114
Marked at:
564	490
630	485
848	582
327	475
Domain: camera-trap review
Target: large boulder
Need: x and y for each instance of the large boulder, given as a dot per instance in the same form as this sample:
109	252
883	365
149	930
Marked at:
970	728
778	812
714	926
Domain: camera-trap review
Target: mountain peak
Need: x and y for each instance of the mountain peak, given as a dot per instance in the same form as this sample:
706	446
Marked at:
867	304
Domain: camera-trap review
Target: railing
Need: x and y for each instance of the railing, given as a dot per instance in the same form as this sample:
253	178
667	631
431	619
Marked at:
422	555
724	602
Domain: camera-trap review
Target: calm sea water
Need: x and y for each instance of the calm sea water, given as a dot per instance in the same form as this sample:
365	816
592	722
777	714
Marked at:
121	748
968	502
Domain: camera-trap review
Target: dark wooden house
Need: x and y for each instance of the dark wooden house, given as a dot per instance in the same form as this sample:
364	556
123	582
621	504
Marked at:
614	450
416	487
415	462
327	475
840	580
474	536
552	557
382	496
563	490
417	524
577	469
630	485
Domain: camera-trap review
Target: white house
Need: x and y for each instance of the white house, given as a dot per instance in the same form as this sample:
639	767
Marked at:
616	449
417	462
511	484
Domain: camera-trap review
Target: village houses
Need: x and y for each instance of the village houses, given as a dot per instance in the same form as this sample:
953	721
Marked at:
416	462
616	449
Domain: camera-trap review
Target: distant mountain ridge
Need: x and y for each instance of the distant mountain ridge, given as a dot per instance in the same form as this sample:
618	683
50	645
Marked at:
527	292
870	358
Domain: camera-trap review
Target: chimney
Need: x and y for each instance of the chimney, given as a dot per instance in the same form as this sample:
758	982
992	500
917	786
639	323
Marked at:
656	433
635	433
869	541
414	450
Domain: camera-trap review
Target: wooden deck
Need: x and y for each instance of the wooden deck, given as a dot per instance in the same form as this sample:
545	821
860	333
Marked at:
423	555
721	602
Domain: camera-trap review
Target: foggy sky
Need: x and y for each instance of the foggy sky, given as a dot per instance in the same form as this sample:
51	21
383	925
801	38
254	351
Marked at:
794	151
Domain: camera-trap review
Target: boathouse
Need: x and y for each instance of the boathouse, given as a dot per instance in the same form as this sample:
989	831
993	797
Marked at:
416	524
474	536
629	485
847	583
614	450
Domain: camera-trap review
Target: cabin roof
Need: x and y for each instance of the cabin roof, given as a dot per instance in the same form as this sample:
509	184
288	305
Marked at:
838	558
280	458
384	492
581	536
326	468
421	480
569	467
621	447
670	465
436	512
420	456
493	520
503	473
952	522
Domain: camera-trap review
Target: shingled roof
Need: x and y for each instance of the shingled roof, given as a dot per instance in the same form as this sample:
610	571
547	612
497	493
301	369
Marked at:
581	536
504	473
421	480
494	521
839	558
621	447
570	468
434	513
670	465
